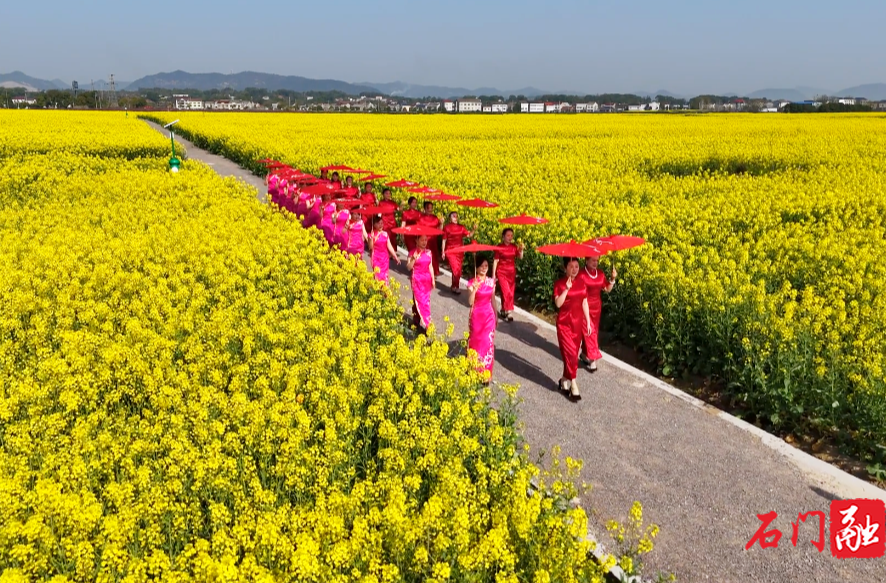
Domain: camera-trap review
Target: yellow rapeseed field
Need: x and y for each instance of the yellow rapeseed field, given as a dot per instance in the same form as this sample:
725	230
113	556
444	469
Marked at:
766	233
192	387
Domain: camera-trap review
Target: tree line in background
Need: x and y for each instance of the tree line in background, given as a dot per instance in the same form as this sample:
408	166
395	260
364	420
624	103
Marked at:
162	98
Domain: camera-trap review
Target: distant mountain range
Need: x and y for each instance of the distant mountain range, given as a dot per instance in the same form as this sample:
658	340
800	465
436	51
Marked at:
238	81
19	79
182	80
400	89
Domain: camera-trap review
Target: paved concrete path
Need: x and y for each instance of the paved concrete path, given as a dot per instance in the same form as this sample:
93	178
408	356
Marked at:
701	475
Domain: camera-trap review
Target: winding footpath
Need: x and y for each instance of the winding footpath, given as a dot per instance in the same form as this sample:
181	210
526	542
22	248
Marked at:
701	474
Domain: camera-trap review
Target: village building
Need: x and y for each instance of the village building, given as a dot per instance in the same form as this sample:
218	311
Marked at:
469	105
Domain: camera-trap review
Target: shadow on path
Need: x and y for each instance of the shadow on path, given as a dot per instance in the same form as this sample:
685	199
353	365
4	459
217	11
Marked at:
526	333
524	369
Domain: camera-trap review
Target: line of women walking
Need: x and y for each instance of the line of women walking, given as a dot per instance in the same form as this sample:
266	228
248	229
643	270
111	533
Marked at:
577	295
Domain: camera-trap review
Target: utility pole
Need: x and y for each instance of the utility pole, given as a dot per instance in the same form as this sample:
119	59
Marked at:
112	100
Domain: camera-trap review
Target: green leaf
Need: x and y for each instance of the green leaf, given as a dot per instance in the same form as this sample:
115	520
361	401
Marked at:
666	371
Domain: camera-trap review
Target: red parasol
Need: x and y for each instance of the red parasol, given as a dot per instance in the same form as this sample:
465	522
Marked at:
377	210
372	177
622	242
417	231
265	161
473	247
401	184
424	190
278	165
442	197
477	203
571	249
322	188
523	220
358	171
337	167
348	202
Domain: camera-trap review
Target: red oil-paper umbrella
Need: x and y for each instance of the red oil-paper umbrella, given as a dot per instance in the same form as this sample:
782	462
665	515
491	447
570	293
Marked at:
401	184
523	220
377	210
424	190
417	231
473	247
337	167
359	171
477	203
622	242
571	249
442	197
372	177
614	243
348	202
265	161
322	188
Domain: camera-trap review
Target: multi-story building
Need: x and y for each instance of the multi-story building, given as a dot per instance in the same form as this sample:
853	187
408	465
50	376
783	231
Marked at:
469	105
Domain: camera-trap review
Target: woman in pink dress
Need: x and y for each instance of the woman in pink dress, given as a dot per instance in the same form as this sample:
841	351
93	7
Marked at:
301	208
382	250
326	219
357	236
312	217
482	320
289	196
273	189
340	231
595	283
421	265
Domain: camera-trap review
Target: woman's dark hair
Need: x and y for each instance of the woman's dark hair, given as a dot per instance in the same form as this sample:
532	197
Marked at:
411	200
453	213
335	174
505	232
481	260
377	219
427	204
484	256
568	260
386	190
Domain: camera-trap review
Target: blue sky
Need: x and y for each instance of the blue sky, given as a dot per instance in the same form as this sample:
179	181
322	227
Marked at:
686	47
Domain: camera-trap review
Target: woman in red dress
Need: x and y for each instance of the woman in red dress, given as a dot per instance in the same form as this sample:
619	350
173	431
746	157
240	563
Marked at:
349	188
573	323
595	282
411	216
368	197
389	220
429	219
504	271
453	236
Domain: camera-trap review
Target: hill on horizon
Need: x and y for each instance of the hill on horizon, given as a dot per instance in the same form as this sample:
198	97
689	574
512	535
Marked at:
182	80
240	81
